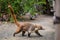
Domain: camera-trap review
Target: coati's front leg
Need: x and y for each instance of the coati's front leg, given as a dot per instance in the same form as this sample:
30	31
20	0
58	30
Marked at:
36	31
30	30
29	33
17	31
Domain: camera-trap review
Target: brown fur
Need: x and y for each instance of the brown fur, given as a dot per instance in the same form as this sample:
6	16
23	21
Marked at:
24	26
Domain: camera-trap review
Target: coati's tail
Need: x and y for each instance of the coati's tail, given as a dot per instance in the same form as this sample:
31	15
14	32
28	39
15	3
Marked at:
13	15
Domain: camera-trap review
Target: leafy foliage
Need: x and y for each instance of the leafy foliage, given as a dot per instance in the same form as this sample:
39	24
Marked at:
22	6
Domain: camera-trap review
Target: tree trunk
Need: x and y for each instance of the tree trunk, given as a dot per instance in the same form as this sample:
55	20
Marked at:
57	19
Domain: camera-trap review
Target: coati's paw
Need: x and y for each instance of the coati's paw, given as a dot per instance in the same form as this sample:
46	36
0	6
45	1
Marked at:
29	36
23	35
40	35
14	35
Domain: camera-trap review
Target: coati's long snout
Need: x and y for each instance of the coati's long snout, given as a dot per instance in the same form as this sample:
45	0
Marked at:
40	27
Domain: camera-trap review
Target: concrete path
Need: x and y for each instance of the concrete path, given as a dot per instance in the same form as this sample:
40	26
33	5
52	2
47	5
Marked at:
7	29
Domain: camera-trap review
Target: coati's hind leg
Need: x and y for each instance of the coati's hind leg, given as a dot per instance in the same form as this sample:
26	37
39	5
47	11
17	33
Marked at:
23	33
17	31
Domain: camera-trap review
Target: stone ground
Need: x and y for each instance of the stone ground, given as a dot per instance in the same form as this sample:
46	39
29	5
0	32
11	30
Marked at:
7	29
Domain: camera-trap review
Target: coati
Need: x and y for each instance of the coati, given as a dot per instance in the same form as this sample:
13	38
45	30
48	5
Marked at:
25	26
